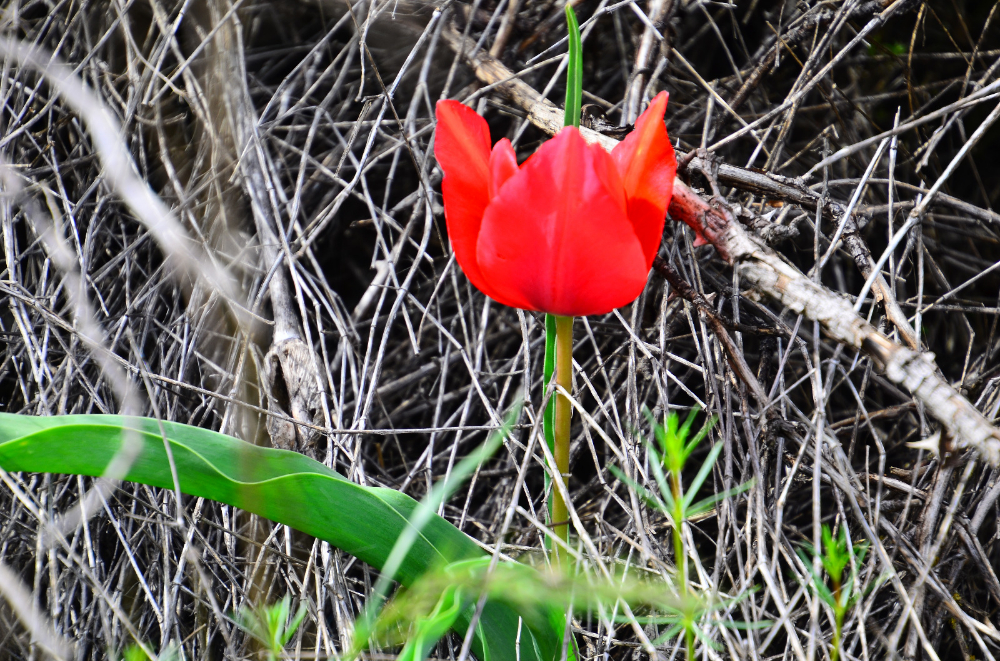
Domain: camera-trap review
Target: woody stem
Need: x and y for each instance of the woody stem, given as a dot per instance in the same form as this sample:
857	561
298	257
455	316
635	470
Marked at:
560	450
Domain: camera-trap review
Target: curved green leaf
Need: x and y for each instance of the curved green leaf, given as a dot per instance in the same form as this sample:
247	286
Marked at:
429	629
282	486
574	71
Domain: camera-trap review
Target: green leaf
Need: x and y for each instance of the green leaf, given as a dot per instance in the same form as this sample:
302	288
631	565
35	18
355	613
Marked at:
270	625
669	634
420	610
702	433
282	486
549	415
816	580
703	472
685	429
651	499
708	503
428	630
574	73
835	554
294	625
661	479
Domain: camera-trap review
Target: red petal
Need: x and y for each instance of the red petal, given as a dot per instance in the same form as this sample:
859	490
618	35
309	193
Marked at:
462	148
503	165
647	165
557	238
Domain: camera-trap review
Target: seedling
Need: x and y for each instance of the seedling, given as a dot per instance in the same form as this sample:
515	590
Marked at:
840	595
678	504
270	625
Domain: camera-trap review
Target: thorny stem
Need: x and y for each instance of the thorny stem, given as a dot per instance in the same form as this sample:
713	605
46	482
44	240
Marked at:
564	378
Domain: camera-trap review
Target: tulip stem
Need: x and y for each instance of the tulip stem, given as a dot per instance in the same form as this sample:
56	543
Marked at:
560	449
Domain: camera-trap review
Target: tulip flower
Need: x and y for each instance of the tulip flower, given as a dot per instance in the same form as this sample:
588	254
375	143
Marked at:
573	230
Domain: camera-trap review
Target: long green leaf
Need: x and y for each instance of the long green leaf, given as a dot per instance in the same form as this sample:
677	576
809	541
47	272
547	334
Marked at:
425	511
282	486
549	415
574	71
429	629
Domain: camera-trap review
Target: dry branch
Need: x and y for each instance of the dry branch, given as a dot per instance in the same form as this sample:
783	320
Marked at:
771	275
293	384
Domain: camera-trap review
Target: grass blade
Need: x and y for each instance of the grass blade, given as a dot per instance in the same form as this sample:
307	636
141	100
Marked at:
574	71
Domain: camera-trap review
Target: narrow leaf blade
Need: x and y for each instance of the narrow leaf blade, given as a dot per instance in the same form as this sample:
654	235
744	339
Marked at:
574	71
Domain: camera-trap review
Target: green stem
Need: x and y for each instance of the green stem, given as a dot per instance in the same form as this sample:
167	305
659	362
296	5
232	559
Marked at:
838	615
559	330
549	415
680	558
560	446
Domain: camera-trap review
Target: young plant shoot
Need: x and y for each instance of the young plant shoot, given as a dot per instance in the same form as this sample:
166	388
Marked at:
837	555
668	458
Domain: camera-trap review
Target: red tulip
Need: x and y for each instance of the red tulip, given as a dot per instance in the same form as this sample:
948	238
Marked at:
573	231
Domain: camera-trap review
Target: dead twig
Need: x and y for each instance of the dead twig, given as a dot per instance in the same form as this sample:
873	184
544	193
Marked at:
294	386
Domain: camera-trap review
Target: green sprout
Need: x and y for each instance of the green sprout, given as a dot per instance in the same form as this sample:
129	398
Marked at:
840	595
136	652
270	625
676	444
